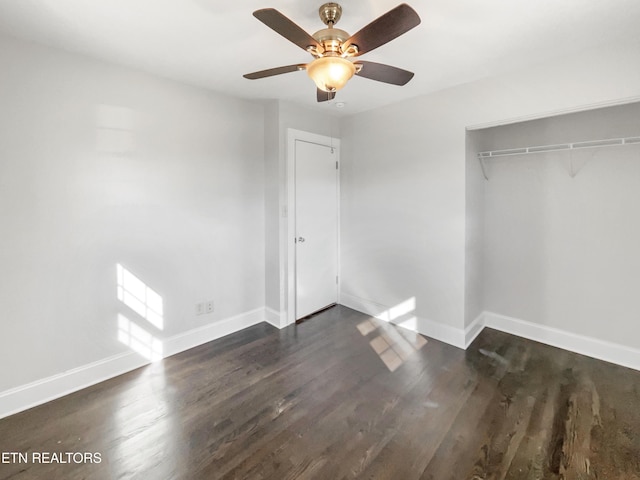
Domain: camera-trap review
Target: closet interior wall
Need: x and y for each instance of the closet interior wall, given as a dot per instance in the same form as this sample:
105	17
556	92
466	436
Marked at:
562	250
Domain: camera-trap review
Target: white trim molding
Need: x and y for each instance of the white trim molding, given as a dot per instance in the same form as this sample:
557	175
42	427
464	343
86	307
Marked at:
273	317
207	333
574	342
41	391
473	330
44	390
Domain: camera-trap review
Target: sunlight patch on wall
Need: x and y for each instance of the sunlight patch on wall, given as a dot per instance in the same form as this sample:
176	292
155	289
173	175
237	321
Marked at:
136	295
397	311
401	314
138	339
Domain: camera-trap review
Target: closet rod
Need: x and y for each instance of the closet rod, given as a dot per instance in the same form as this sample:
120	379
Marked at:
608	142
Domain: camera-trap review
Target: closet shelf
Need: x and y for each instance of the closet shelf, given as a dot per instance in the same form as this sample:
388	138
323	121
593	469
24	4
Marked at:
608	142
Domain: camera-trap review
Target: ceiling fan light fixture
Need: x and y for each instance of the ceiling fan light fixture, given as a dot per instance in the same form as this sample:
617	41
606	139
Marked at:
330	74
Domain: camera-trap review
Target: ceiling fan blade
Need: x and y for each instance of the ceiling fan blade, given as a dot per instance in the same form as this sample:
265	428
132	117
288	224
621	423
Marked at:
274	71
273	19
384	73
323	96
384	29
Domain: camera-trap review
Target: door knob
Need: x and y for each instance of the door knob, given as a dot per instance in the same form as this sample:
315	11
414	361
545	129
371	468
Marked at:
301	239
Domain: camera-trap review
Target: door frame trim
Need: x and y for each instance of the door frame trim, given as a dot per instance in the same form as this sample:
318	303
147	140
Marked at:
294	135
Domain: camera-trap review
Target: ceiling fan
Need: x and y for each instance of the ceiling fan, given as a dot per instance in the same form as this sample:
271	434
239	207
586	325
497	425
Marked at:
333	48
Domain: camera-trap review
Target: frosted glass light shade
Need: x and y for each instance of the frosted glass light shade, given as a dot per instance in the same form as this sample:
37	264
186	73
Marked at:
330	73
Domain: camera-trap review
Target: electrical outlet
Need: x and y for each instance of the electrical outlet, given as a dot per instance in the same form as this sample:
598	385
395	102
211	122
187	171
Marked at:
209	306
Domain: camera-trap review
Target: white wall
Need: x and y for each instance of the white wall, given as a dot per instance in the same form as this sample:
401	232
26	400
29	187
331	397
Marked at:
272	207
102	165
403	179
403	210
561	251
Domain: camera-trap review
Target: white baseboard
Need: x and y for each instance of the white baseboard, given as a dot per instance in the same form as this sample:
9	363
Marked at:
589	346
273	317
474	329
207	333
444	333
41	391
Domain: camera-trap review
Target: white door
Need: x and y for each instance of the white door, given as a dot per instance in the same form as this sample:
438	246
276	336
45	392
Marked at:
316	221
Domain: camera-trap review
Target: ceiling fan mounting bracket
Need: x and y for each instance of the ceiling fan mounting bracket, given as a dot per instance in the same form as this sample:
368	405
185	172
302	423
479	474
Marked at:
330	13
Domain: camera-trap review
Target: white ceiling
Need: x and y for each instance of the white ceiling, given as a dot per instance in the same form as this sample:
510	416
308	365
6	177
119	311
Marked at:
212	43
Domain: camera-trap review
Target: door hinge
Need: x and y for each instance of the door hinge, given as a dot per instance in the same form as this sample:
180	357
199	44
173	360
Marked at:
336	165
336	279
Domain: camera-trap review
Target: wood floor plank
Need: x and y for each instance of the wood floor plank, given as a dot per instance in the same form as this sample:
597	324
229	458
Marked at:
472	423
344	396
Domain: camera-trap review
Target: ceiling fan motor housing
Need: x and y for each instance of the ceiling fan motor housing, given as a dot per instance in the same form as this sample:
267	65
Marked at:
331	40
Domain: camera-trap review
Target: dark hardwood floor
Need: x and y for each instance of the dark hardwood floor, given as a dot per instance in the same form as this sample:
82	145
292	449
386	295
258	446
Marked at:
344	396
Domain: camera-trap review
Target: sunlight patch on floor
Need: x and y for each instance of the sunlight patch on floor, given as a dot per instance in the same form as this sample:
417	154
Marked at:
393	345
